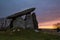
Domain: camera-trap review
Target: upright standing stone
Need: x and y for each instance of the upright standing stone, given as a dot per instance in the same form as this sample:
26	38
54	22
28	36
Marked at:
19	22
28	21
35	21
4	23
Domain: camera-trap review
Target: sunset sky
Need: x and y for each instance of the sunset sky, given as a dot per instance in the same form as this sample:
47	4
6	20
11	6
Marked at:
47	11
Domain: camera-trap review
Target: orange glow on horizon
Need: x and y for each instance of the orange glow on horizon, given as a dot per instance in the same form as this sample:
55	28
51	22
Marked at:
48	25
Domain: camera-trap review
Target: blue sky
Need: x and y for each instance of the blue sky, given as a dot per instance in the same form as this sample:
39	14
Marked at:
46	10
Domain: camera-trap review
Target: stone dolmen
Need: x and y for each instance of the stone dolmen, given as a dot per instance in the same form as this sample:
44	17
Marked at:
16	20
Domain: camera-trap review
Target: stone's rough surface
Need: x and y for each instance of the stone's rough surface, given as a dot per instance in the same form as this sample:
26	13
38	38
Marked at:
28	21
4	23
19	22
35	23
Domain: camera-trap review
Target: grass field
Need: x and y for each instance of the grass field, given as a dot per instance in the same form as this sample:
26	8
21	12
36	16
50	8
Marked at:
27	35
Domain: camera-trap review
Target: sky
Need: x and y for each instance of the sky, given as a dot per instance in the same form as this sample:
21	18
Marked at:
46	10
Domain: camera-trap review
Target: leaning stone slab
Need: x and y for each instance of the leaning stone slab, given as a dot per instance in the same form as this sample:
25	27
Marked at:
29	21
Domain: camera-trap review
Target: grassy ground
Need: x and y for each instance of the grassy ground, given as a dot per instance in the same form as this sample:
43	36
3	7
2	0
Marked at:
27	35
